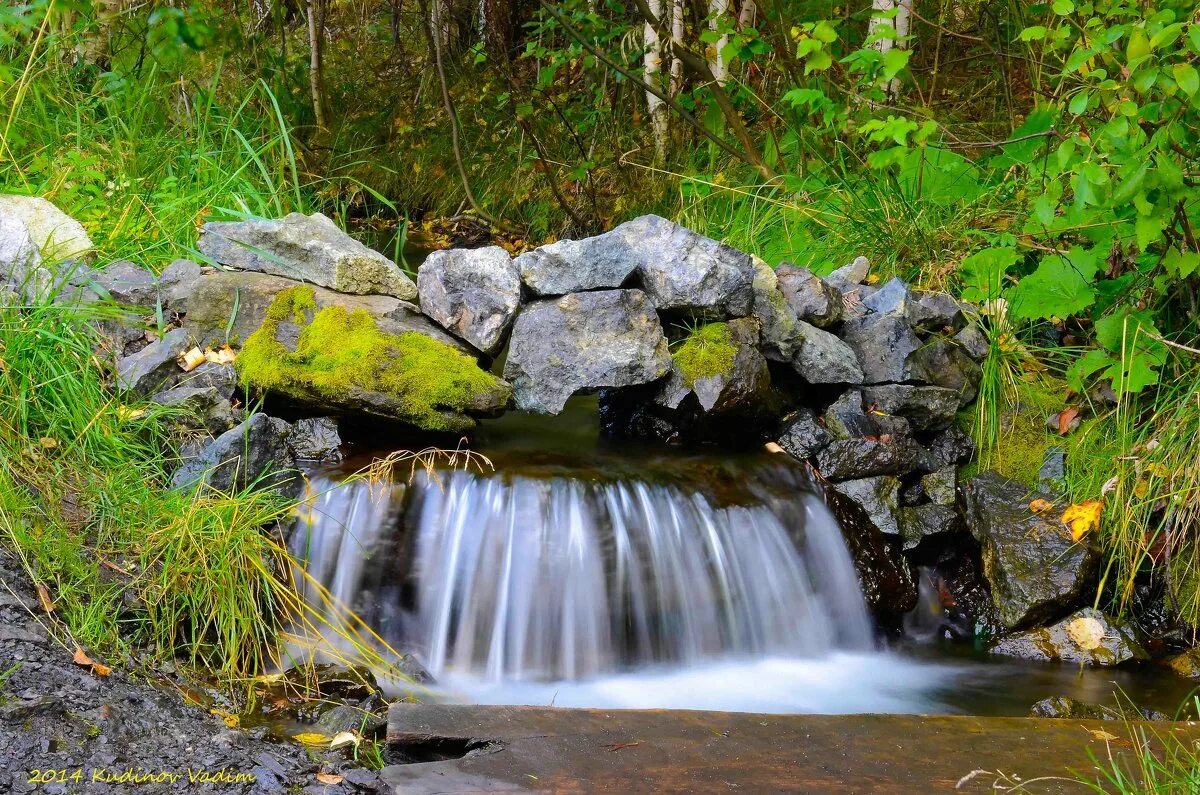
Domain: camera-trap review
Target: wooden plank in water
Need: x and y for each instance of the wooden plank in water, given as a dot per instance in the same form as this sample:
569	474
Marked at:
537	749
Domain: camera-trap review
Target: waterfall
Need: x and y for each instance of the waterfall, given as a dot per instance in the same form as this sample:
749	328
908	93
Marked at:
512	578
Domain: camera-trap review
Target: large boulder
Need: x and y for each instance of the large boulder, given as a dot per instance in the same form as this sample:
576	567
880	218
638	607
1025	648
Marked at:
602	262
1036	571
126	283
315	439
57	235
721	365
883	342
927	408
686	273
308	248
473	293
584	342
255	453
822	358
887	580
230	306
1087	636
852	459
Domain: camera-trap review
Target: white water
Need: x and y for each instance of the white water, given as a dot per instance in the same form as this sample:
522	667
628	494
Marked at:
535	591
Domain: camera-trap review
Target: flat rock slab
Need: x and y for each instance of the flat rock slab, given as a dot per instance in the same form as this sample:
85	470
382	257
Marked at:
536	749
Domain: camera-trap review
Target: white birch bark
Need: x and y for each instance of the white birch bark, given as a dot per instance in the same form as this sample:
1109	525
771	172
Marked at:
652	73
676	39
900	23
717	10
748	15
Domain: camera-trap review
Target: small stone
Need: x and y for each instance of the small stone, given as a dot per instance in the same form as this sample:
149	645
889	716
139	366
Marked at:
741	386
922	521
802	436
944	363
20	259
823	358
879	497
154	368
472	293
809	297
221	377
1053	474
927	408
933	311
778	335
893	298
1088	637
850	275
315	439
846	419
973	341
883	344
941	486
952	446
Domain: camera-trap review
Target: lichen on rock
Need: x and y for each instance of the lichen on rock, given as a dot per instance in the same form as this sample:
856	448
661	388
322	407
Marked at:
340	353
708	351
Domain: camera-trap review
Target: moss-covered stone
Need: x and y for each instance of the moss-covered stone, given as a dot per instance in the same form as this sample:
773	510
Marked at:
708	351
339	351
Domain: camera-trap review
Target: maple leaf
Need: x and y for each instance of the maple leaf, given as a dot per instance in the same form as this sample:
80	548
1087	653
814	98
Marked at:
1082	517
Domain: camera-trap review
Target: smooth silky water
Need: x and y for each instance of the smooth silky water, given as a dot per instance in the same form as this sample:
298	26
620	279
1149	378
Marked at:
580	573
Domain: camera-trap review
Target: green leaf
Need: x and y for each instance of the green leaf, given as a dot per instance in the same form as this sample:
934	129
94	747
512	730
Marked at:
1148	228
1033	33
1060	287
1063	7
1134	372
1138	46
983	272
894	60
1181	264
1079	103
1186	78
1083	368
1126	328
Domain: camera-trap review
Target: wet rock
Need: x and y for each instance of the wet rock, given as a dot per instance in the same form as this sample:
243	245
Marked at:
1053	473
57	235
847	419
154	368
1065	707
952	446
879	497
315	439
810	298
204	405
927	408
1088	636
126	283
221	377
473	293
308	248
1186	664
238	301
883	344
933	311
972	340
851	459
744	384
850	275
922	521
602	262
688	274
822	358
253	453
1035	570
802	436
944	363
778	335
584	342
941	486
176	282
887	580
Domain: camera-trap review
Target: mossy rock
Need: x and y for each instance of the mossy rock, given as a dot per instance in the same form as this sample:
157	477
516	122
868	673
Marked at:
707	352
339	360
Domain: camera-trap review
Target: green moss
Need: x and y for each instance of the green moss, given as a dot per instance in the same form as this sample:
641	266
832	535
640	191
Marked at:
708	351
1024	438
339	349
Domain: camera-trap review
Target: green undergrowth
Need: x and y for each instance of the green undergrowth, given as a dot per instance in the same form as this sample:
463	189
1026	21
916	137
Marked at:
339	349
706	352
85	506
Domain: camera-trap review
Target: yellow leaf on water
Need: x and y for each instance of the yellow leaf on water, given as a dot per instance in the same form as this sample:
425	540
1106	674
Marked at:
310	738
1087	632
1100	734
1082	517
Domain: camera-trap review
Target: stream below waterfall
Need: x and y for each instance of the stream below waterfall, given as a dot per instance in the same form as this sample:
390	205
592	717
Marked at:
586	573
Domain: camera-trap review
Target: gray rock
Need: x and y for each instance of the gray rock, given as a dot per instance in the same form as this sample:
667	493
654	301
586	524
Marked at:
743	385
126	283
1036	571
221	377
883	344
893	298
802	436
886	578
846	419
583	342
879	497
808	296
315	439
927	408
952	446
850	275
473	293
972	340
778	321
57	235
822	358
154	368
21	271
933	311
120	335
922	521
1061	642
686	273
944	363
308	248
255	453
851	459
941	486
205	407
238	302
1053	473
176	282
602	262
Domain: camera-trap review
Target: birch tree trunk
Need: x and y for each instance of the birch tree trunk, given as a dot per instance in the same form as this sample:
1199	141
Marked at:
316	78
882	17
652	74
748	15
676	38
717	11
439	22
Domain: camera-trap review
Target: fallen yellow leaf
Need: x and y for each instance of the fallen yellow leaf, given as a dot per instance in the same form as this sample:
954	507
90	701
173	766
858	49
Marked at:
231	720
310	738
44	598
191	360
126	413
344	738
223	356
329	778
1100	734
48	442
98	669
1041	506
1087	632
1082	517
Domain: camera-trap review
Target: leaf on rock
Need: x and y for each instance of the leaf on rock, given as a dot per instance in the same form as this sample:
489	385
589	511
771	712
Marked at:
223	356
191	360
1083	517
1041	506
98	669
329	778
44	598
310	738
1086	632
1065	418
344	738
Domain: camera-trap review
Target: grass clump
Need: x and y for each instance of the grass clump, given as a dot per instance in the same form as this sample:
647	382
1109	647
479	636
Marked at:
706	352
339	350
